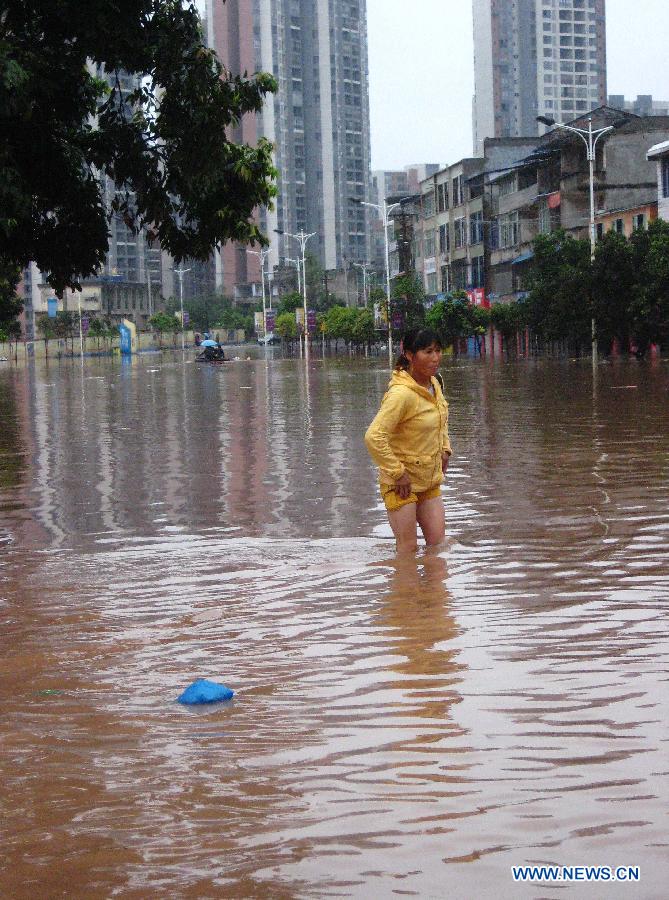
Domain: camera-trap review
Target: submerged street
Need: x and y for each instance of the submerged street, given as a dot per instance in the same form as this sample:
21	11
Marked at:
413	727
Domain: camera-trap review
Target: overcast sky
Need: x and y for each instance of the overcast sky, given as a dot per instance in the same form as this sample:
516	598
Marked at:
421	72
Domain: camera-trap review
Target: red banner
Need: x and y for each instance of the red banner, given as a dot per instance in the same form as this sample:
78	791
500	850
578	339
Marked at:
477	297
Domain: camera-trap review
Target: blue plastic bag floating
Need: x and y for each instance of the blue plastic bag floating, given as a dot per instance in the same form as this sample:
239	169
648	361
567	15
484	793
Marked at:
203	691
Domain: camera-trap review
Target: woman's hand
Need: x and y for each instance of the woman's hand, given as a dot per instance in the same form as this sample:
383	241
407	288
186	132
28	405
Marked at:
445	458
403	486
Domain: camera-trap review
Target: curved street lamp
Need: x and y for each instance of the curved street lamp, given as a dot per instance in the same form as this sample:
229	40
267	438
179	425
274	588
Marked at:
589	138
302	237
262	256
384	210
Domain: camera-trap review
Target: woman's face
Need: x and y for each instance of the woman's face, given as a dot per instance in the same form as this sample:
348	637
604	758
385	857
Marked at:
425	363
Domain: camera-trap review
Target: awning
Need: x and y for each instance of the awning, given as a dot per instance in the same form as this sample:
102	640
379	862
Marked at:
658	150
522	258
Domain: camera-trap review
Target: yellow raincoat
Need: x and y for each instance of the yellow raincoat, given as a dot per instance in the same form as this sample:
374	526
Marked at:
409	433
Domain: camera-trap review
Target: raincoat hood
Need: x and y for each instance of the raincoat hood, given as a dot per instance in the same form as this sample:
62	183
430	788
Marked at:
401	377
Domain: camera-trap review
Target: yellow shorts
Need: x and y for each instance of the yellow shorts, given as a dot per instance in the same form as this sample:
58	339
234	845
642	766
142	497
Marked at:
394	502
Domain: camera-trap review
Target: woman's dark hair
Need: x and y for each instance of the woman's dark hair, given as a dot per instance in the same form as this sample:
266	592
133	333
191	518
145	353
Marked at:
414	340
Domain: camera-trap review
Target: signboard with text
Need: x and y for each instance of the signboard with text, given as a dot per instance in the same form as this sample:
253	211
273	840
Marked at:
398	321
270	319
52	307
311	319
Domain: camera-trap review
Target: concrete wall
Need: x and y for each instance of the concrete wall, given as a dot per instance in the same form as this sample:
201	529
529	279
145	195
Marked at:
61	348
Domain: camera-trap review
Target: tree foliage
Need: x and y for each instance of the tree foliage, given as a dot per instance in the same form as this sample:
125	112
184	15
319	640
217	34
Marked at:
407	297
209	311
162	137
286	326
649	308
290	302
508	318
455	317
163	322
613	285
559	306
625	288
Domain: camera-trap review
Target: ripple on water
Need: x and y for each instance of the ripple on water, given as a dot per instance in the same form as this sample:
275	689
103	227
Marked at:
409	727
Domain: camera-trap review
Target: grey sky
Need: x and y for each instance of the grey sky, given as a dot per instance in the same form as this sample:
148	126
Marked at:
421	72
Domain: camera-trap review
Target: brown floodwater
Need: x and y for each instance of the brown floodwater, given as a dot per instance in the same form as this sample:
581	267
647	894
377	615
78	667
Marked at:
410	728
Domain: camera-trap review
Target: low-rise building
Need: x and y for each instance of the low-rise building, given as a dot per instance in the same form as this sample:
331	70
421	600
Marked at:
109	298
659	156
550	189
453	241
625	221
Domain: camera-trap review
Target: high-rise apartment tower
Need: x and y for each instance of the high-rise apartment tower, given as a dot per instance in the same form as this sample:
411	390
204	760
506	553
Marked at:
318	121
536	58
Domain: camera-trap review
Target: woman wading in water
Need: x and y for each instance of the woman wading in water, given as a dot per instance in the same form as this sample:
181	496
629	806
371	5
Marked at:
408	441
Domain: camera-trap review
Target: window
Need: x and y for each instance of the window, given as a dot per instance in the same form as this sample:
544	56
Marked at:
639	221
459	273
444	239
508	230
458	190
507	185
442	197
476	228
544	218
428	246
428	205
460	232
619	226
600	231
478	271
431	283
665	177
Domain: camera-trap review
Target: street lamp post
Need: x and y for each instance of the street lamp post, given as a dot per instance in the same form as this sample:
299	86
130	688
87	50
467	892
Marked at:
262	256
302	237
590	139
385	210
148	282
365	268
298	266
81	330
181	272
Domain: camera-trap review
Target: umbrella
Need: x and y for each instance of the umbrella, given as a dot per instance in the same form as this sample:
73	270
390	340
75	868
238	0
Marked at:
209	343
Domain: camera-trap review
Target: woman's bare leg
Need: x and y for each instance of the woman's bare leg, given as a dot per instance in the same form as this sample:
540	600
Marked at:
432	520
403	524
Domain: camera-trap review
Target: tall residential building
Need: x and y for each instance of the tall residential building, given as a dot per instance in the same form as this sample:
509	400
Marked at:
318	122
131	257
536	58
